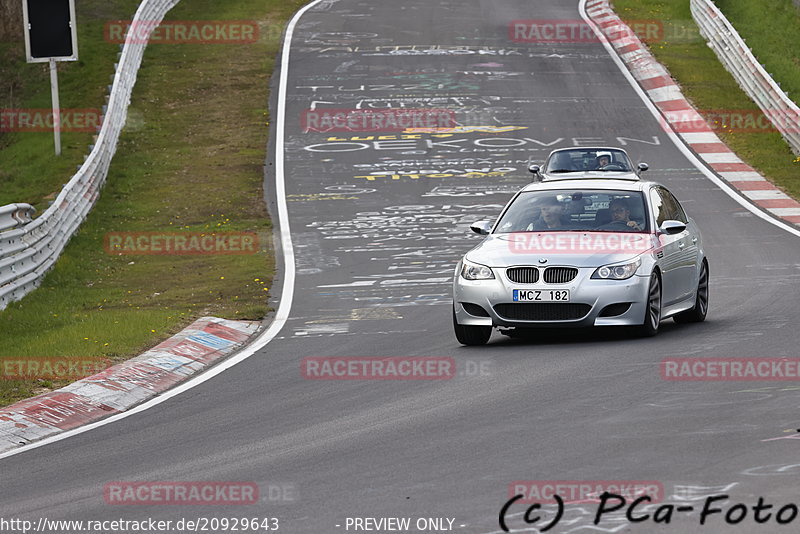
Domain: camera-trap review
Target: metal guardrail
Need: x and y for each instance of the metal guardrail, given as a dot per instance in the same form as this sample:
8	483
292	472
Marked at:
737	58
30	248
15	215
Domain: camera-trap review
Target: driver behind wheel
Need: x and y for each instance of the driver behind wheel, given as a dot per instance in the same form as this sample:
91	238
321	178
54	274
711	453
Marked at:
552	216
602	160
620	217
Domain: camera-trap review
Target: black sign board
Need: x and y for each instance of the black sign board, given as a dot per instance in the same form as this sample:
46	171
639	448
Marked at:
50	30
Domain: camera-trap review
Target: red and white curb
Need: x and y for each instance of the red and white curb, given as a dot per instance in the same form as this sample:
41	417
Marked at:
684	119
125	385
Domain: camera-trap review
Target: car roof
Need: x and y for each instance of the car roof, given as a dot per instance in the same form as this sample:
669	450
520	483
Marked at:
593	183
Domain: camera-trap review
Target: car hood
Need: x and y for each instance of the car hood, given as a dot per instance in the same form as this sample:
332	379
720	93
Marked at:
578	249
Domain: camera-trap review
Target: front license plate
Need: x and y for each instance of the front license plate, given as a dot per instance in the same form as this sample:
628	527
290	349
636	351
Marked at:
541	295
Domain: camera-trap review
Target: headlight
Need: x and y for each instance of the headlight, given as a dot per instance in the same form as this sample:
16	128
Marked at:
474	271
617	272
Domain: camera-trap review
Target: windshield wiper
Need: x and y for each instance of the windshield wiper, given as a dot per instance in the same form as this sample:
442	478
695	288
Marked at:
562	170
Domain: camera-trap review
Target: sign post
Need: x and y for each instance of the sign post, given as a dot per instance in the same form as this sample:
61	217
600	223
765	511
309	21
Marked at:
56	107
51	35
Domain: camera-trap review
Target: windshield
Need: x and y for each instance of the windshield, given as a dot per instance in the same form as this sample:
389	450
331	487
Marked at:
589	159
575	210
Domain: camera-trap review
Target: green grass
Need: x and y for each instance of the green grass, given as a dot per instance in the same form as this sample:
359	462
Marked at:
706	83
190	159
772	29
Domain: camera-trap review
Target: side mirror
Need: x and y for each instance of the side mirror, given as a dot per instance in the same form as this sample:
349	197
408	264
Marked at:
643	167
534	170
481	227
672	227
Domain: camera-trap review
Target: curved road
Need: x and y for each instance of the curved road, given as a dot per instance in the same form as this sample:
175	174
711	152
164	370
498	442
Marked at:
377	226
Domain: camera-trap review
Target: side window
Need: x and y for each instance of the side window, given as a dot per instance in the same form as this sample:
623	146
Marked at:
681	214
671	207
658	207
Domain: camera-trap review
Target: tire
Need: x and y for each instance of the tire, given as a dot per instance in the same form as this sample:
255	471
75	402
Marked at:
652	316
471	335
698	313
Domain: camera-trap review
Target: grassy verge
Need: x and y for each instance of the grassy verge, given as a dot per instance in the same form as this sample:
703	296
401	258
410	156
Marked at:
706	83
772	29
190	160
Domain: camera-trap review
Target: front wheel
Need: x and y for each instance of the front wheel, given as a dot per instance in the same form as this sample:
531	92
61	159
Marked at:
698	313
471	335
652	316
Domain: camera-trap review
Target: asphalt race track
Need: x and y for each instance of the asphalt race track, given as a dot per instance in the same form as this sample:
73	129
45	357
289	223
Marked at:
377	225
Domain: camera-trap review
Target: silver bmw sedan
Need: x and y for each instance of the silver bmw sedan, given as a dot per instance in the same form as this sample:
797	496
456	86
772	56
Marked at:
579	253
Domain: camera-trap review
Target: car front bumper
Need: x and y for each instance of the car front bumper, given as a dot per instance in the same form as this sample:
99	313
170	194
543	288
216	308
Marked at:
586	294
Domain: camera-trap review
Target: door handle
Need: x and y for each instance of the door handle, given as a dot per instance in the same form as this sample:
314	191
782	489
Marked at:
681	245
694	240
